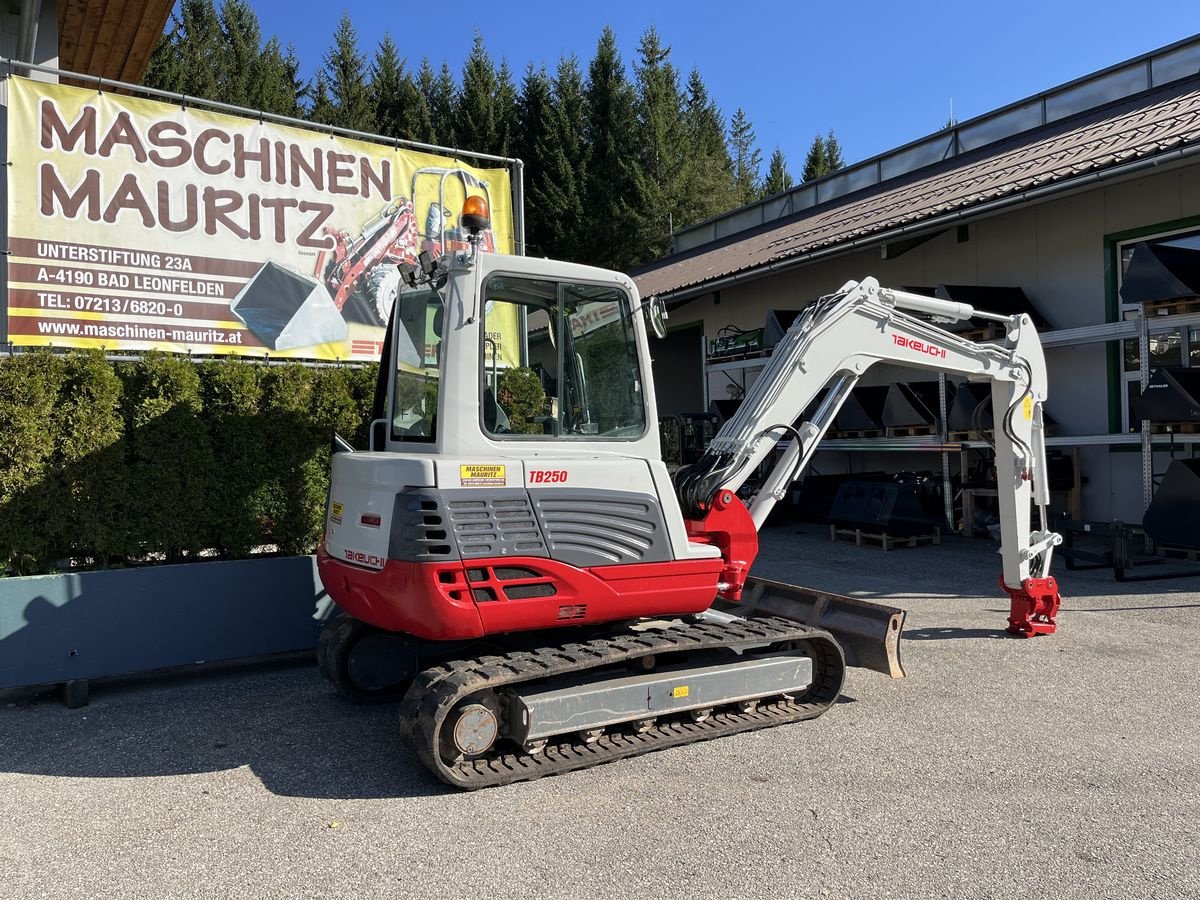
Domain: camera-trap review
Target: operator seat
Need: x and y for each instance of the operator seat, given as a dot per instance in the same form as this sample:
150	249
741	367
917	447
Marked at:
495	420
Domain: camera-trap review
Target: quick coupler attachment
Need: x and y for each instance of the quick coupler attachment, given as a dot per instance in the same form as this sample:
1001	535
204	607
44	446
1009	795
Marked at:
1034	605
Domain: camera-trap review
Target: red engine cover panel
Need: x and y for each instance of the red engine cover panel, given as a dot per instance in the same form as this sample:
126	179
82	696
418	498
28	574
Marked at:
462	599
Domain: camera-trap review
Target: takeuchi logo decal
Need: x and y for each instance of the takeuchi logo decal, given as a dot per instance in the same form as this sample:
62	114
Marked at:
919	346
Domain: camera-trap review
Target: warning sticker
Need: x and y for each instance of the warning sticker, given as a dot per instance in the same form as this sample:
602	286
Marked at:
335	513
1028	408
681	691
472	475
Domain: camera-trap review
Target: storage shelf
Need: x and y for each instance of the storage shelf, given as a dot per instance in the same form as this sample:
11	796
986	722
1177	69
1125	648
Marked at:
920	444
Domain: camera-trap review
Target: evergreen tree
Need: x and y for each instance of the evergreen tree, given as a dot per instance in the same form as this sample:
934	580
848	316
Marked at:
814	164
426	131
535	107
612	160
778	178
387	76
824	157
506	111
476	106
346	80
709	169
240	73
833	153
398	102
702	120
558	196
747	158
658	178
164	71
320	109
439	92
189	59
398	106
277	90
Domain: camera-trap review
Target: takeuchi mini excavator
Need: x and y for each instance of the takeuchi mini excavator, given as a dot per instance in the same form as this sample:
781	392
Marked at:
515	564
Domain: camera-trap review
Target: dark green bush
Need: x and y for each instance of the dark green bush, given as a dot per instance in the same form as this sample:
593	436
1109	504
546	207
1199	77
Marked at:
30	385
161	459
89	475
522	398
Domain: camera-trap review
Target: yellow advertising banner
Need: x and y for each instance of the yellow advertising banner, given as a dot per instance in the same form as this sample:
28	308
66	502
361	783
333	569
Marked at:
138	225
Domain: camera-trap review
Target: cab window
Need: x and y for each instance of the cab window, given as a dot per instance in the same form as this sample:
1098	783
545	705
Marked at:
559	361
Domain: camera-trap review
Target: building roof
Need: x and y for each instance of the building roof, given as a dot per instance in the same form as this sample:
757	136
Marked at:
109	38
1098	142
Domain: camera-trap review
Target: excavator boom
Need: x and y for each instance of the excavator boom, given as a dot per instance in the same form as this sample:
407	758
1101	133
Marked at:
830	346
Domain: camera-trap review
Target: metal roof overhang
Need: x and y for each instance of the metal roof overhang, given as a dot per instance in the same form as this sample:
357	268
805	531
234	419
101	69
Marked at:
937	223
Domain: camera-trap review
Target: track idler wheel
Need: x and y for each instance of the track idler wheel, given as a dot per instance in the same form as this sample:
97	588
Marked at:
473	728
364	663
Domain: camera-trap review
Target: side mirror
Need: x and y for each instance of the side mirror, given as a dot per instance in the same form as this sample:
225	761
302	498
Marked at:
656	315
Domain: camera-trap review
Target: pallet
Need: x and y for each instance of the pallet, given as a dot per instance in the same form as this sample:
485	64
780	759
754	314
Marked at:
1176	307
867	433
884	540
911	431
1175	427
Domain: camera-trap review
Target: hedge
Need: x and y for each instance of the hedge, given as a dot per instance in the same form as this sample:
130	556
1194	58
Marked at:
161	459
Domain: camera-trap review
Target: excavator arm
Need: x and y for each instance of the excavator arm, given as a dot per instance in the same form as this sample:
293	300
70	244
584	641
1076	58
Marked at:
831	345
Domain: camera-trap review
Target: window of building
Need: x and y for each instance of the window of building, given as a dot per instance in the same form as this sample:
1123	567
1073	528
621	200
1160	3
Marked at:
1177	347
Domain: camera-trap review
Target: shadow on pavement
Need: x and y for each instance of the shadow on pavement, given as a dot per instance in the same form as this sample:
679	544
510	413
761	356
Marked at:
953	634
1126	608
282	721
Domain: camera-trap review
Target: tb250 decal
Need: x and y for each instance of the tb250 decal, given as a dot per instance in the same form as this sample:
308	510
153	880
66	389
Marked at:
547	476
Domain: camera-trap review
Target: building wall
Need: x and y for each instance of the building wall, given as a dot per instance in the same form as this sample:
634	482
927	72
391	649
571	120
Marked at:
1055	251
46	46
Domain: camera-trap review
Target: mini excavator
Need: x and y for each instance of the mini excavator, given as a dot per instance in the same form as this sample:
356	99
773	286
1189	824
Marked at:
534	587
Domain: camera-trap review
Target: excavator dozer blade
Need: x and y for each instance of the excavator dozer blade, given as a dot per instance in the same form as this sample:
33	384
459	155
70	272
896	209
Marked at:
869	633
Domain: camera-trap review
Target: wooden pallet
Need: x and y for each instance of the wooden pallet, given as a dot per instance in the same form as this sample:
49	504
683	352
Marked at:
1175	427
911	430
1175	307
886	541
868	433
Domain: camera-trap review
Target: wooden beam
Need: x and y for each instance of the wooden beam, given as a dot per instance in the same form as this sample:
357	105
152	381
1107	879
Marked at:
144	39
69	31
110	14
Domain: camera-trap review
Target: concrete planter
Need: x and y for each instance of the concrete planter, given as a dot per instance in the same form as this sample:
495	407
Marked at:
66	629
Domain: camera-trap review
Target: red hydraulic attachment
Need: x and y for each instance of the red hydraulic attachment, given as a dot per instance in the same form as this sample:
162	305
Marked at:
727	525
1034	606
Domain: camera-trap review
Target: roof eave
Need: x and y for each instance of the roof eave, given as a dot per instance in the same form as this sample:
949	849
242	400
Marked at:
957	217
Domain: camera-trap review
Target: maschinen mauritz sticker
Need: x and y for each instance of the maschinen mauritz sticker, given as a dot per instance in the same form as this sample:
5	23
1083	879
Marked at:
472	475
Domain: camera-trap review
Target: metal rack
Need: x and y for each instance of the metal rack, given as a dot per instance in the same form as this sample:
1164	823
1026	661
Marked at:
1141	327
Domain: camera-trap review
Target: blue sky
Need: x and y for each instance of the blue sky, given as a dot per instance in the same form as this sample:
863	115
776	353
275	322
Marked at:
878	74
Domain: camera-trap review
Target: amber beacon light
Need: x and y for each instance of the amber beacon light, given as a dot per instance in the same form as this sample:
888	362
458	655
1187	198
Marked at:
475	215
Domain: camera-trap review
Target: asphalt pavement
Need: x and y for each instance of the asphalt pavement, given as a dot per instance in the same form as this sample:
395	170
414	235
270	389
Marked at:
1063	766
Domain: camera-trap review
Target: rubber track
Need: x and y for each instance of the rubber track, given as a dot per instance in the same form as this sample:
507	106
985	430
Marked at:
435	692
